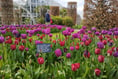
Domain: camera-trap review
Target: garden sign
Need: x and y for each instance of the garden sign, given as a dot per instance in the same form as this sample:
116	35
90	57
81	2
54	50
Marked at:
44	48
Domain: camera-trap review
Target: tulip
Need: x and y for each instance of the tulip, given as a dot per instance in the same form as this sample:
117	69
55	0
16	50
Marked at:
0	57
21	48
97	72
9	41
54	41
83	39
97	33
47	31
101	58
13	47
109	52
24	41
93	29
100	45
97	51
37	42
84	27
86	54
16	42
65	49
26	49
50	35
87	43
37	54
38	35
115	54
82	43
40	60
24	36
104	42
3	32
100	37
62	43
68	55
1	39
58	52
71	48
75	35
77	47
75	66
30	40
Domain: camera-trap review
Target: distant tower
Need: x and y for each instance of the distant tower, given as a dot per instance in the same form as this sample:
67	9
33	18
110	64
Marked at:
54	10
72	10
7	12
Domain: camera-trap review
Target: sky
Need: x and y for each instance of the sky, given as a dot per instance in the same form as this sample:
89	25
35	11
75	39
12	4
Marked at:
80	5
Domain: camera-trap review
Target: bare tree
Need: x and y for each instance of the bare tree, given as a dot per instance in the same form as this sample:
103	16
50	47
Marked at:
101	13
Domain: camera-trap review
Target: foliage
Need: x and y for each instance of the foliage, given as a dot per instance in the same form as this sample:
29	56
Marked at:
23	64
101	13
63	12
77	26
62	21
40	20
68	21
57	20
27	20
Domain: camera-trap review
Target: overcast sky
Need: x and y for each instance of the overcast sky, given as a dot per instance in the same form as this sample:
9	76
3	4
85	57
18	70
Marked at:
80	5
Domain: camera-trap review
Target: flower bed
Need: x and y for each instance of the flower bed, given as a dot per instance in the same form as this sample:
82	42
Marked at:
87	54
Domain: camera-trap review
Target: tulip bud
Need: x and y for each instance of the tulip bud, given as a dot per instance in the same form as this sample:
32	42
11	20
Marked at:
97	51
101	58
40	60
97	72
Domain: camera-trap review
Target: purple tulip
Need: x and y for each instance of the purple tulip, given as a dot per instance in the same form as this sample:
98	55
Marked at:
31	32
26	49
86	36
71	48
110	44
59	27
37	42
115	54
65	49
83	39
68	55
47	31
15	32
109	33
75	35
24	36
100	45
50	35
84	27
115	32
89	32
0	57
65	32
3	32
1	39
82	31
97	33
93	28
58	52
104	32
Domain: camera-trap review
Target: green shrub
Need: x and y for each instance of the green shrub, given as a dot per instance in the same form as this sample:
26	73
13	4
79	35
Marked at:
77	26
57	20
62	20
40	20
68	21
